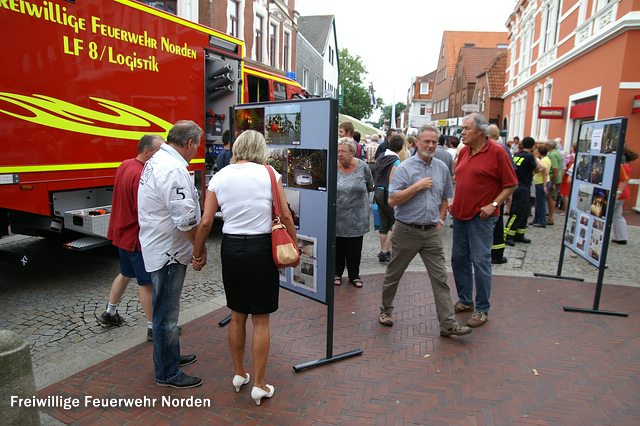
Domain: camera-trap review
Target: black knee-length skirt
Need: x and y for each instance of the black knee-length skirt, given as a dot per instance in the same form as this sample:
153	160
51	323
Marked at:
249	275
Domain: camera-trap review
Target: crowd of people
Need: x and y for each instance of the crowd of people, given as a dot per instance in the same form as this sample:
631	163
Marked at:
419	183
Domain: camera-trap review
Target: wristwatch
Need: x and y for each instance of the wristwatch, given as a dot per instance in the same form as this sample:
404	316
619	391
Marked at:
494	204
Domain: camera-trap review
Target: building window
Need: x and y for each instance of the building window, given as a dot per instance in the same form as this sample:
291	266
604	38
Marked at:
305	78
316	86
483	100
550	23
546	101
285	51
234	13
535	122
166	5
273	47
423	109
279	91
331	54
424	88
259	37
525	49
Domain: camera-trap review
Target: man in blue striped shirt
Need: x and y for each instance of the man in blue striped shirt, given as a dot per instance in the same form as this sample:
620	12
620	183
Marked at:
419	190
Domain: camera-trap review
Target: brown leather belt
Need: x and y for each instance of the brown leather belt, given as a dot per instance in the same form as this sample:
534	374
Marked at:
417	226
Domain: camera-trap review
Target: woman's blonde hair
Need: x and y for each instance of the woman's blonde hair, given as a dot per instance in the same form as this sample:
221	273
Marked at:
249	146
348	142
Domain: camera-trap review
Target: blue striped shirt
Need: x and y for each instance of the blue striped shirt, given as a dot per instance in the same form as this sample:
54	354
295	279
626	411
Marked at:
424	207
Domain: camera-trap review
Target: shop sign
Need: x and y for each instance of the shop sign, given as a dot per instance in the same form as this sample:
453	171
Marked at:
551	113
635	108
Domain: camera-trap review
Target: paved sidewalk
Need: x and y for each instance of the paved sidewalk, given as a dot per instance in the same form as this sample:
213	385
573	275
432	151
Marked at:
532	363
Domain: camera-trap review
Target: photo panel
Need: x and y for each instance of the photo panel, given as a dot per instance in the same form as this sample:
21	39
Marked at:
582	167
307	246
585	196
610	137
599	202
571	227
293	200
596	169
597	239
277	158
307	169
596	139
249	119
282	124
584	140
305	274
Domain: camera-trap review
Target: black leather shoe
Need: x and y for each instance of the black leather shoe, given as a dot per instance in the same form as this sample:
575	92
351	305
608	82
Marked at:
187	359
510	243
522	240
499	261
181	381
623	242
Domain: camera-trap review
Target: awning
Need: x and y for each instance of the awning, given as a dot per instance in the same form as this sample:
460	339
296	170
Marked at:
584	110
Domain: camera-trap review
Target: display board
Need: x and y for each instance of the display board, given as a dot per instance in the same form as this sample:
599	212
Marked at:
301	139
593	188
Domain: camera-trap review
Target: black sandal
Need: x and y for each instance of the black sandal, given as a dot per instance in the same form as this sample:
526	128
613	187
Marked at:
357	283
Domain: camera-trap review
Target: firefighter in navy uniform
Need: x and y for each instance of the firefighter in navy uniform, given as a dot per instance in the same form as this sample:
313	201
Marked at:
525	164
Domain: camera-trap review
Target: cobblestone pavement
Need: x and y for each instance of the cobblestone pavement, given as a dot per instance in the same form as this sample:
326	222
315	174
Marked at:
53	300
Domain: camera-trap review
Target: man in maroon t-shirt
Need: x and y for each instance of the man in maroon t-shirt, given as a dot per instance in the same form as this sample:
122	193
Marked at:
123	233
484	180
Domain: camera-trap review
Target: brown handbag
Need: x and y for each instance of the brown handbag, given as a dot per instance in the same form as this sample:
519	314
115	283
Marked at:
284	250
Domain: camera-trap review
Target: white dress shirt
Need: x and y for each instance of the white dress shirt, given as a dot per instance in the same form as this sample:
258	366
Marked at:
167	207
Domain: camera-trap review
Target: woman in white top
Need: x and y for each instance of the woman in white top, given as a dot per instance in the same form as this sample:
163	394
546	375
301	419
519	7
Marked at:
242	190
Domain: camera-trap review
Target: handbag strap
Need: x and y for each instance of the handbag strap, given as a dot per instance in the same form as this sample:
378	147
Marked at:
274	193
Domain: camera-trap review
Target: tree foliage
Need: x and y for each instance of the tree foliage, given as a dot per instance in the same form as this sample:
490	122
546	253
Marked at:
386	114
356	101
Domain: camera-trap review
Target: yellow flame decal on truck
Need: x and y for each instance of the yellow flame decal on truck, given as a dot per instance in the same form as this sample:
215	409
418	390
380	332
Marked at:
59	114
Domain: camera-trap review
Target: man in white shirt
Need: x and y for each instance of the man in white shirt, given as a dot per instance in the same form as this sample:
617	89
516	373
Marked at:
168	214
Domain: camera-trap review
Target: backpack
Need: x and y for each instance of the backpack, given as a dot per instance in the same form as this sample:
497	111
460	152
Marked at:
361	151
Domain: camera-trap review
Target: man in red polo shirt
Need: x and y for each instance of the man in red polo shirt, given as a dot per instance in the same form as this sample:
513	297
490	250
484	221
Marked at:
484	180
123	233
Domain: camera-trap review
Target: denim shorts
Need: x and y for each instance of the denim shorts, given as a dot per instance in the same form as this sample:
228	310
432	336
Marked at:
132	266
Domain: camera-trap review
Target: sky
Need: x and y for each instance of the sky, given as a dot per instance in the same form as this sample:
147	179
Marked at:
399	40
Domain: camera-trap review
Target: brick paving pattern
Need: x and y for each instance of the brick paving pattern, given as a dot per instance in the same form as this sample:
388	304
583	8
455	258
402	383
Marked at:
531	363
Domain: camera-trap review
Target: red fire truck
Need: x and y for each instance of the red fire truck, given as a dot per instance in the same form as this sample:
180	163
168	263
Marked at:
82	81
261	86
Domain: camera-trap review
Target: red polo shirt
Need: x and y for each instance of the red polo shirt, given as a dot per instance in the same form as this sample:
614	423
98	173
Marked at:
123	223
480	178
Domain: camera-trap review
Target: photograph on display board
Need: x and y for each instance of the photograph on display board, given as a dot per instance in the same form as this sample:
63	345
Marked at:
582	167
610	138
249	119
581	232
307	169
304	275
599	202
585	196
283	125
596	139
293	199
571	227
277	158
596	169
584	140
597	238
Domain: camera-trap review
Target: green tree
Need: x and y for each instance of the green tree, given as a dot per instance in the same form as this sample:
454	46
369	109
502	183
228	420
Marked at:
386	114
356	101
